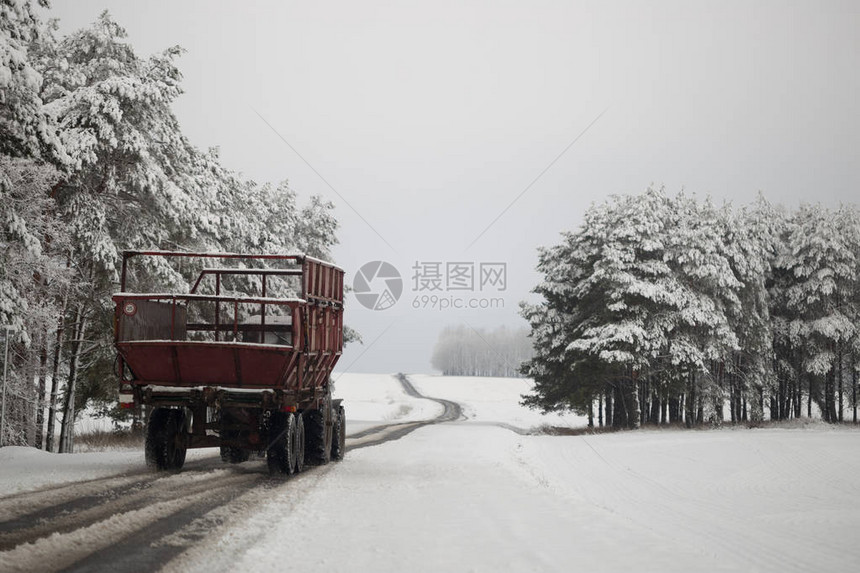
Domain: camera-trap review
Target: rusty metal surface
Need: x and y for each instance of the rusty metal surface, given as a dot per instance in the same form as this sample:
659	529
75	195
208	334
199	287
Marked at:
152	320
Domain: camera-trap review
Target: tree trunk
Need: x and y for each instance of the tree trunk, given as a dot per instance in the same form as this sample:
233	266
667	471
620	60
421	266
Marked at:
675	409
735	401
798	398
55	374
840	388
854	384
40	399
591	413
600	409
55	379
829	399
610	421
29	399
663	407
636	416
619	413
67	430
655	408
691	399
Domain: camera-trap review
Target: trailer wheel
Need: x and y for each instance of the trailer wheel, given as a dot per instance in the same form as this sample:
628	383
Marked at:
282	437
317	451
165	448
299	444
338	442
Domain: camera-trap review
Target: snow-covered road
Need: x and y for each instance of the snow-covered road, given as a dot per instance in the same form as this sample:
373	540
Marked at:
464	495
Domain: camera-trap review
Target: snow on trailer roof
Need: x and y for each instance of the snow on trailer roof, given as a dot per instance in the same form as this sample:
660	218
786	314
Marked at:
262	256
250	271
209	343
220	298
185	389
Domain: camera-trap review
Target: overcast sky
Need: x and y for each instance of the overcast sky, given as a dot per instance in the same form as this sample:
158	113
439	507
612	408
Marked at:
427	119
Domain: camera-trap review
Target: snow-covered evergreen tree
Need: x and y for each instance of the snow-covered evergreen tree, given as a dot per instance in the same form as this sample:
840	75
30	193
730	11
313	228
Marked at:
820	273
675	306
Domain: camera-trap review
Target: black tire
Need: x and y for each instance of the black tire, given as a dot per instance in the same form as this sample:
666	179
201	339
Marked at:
317	447
165	448
282	436
338	442
299	445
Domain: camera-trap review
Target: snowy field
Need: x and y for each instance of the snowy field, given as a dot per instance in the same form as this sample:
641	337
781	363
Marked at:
476	496
493	401
373	399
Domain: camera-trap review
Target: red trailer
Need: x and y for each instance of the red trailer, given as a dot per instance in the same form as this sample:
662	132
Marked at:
222	366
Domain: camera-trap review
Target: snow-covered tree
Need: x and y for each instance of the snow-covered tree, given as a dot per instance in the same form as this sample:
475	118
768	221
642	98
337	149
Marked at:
675	306
819	280
751	238
26	130
32	281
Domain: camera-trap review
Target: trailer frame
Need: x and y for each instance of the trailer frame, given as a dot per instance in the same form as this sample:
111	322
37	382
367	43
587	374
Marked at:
220	389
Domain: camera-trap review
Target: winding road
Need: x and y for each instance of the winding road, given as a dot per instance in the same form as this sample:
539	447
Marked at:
140	521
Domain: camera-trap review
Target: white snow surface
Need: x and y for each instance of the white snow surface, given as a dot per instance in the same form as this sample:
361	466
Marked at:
493	401
373	400
476	496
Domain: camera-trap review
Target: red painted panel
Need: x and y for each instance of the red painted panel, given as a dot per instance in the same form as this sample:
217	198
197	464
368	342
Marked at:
205	364
149	361
209	364
262	367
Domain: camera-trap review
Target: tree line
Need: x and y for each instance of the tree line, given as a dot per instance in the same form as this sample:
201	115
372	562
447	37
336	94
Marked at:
666	309
466	351
93	162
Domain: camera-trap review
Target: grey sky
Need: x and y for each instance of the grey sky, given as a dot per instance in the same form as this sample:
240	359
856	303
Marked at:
430	117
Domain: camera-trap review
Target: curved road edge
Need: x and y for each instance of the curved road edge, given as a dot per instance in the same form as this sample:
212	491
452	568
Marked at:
451	412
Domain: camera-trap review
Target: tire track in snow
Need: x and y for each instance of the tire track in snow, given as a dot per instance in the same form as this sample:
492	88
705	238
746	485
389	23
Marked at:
143	520
143	531
60	551
451	412
159	542
68	517
77	494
